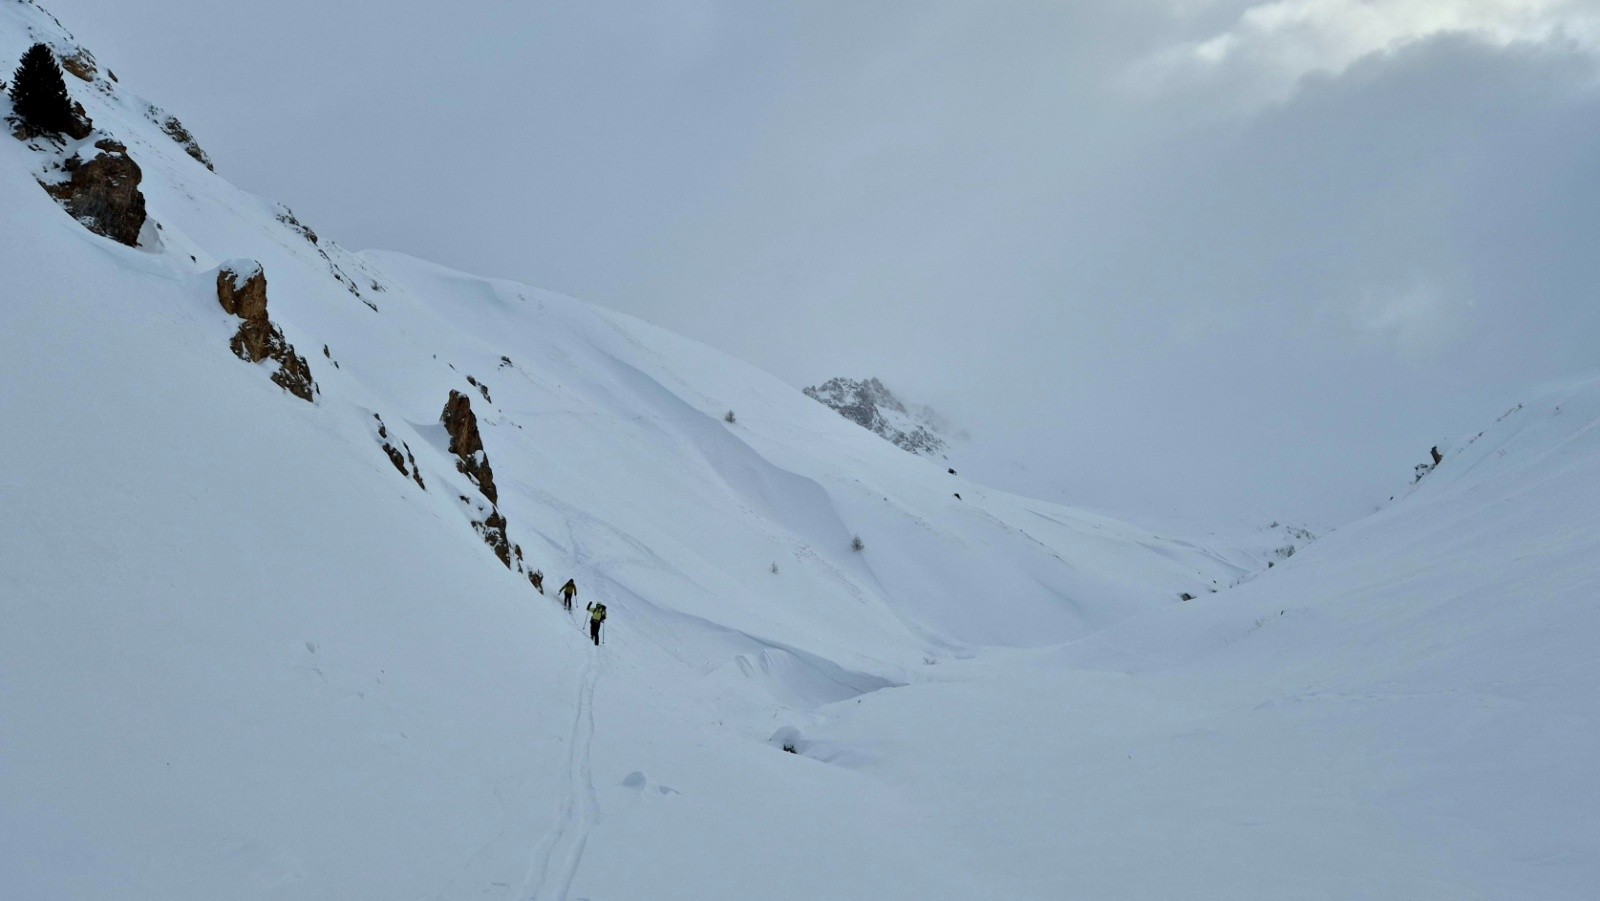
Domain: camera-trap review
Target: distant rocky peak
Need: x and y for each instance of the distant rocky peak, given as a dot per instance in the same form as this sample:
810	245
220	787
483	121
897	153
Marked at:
869	404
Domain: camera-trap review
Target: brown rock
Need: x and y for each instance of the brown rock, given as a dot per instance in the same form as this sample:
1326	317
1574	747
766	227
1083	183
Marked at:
462	424
294	374
242	292
255	339
261	339
242	289
397	458
175	130
416	474
465	442
82	125
104	195
493	530
81	64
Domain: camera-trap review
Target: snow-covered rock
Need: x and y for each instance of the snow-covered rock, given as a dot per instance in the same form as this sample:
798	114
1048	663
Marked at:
868	404
102	192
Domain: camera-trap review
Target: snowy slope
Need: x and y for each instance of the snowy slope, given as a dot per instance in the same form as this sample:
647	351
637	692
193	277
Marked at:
1406	709
241	656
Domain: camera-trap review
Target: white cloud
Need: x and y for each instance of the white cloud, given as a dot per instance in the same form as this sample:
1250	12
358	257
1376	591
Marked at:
1272	45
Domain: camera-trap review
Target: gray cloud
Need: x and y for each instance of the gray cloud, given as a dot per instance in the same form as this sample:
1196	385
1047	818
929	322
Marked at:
1272	45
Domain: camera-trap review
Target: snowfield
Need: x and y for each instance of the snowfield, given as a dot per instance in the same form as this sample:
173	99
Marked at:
242	656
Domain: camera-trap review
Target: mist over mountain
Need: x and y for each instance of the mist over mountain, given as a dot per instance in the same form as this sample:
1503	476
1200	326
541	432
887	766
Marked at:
868	404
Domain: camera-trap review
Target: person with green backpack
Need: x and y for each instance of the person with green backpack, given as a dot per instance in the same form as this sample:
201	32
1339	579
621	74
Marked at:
597	615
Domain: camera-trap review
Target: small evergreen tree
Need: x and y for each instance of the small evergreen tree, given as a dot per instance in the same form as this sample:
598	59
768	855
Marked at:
39	93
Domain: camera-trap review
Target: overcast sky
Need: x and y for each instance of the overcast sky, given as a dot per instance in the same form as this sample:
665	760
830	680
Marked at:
1221	257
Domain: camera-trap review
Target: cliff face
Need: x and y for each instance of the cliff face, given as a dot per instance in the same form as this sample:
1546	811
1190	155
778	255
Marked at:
869	404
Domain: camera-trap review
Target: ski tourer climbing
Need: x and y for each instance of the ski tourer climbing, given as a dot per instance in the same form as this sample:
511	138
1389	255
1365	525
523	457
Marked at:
567	592
597	615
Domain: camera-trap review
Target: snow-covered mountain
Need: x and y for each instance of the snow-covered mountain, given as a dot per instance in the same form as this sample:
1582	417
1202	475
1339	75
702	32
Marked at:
868	404
265	636
264	641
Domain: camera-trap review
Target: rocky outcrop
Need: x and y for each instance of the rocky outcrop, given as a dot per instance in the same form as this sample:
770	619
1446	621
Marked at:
175	130
288	218
461	424
465	442
493	530
1284	540
259	339
242	289
80	63
404	462
1422	469
103	193
873	407
395	457
242	292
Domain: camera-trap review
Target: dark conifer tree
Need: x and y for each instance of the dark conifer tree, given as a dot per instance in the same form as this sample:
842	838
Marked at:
39	93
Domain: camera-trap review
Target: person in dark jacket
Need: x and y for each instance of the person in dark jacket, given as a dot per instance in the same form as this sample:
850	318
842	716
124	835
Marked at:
567	592
597	615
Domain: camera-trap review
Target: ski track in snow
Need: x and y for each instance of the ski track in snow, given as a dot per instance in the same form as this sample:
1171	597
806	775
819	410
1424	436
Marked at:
555	860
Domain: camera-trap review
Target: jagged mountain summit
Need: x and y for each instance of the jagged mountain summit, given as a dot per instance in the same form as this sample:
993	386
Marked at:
869	404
